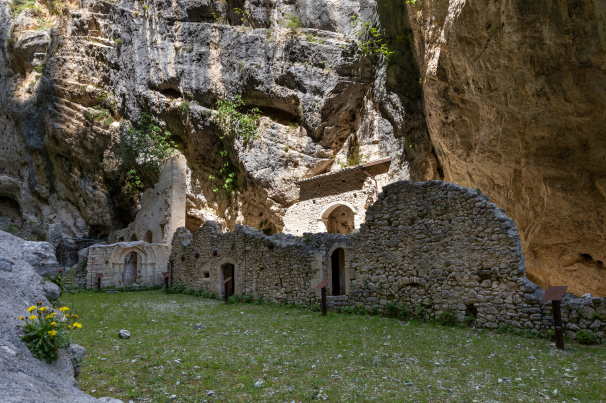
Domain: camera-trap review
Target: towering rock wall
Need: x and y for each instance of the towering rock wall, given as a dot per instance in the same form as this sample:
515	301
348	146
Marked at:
514	93
75	85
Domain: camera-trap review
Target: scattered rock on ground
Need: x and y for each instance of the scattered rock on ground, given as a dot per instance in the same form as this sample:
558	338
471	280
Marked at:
124	334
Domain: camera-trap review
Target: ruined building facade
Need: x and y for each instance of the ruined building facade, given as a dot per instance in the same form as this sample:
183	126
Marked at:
140	254
430	244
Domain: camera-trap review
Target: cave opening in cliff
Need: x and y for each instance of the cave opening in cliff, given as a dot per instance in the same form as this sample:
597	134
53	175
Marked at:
278	115
10	213
170	93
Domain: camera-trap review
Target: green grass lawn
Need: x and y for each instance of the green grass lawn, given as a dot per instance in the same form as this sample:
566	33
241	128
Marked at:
262	353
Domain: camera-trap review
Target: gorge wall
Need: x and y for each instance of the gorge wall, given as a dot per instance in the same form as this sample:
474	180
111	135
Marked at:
501	96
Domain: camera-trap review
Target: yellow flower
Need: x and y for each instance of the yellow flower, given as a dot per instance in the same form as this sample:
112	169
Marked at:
69	326
52	332
75	316
31	308
43	308
51	315
53	323
33	317
20	318
76	324
67	315
63	309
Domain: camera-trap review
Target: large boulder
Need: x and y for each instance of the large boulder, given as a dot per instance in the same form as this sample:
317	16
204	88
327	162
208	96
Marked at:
24	378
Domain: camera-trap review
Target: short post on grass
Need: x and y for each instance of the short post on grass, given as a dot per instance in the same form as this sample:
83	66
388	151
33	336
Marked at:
555	294
322	287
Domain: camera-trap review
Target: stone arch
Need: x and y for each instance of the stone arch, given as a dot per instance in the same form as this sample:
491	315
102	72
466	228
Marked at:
133	238
405	281
340	217
145	264
149	236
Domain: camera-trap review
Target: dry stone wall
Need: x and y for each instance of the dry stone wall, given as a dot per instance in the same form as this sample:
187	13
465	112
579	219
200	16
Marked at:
279	267
431	245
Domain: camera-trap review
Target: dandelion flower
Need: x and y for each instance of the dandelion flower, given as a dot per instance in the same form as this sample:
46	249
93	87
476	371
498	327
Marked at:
31	308
43	308
20	318
52	332
63	309
53	323
77	325
32	317
75	316
67	315
69	326
51	315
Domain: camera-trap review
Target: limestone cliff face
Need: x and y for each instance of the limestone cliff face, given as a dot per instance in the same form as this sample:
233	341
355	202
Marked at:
320	98
515	92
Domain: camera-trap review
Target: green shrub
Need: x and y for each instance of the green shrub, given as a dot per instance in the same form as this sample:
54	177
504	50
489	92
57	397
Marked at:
391	309
189	291
360	310
12	228
309	37
348	310
373	311
260	299
247	299
316	308
118	42
231	300
47	330
470	318
420	312
176	289
184	107
57	279
448	316
404	311
234	123
293	23
585	336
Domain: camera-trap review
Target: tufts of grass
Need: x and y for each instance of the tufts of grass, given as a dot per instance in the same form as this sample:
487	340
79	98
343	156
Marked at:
296	354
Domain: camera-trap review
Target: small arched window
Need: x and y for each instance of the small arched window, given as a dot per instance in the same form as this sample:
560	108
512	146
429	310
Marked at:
149	236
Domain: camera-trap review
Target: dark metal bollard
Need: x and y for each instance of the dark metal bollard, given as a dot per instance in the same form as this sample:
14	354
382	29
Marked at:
555	294
322	287
165	275
99	276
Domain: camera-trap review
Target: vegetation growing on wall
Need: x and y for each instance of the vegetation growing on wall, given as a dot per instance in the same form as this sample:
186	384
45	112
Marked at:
144	144
370	40
233	123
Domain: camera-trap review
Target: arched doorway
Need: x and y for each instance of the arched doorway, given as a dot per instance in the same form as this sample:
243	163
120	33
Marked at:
229	287
339	219
130	268
149	237
133	238
338	271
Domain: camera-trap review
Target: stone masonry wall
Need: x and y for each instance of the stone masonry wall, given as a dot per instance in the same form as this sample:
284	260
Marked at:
278	267
431	244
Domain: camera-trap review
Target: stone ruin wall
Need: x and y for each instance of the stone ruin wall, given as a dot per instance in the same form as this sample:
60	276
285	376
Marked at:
162	208
435	244
152	260
278	267
318	198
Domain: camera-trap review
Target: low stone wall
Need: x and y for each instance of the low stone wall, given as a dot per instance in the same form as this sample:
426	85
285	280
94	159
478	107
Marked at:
433	245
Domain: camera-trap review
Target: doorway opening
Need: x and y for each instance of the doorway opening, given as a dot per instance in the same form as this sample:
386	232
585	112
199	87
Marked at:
130	268
133	238
229	287
338	267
